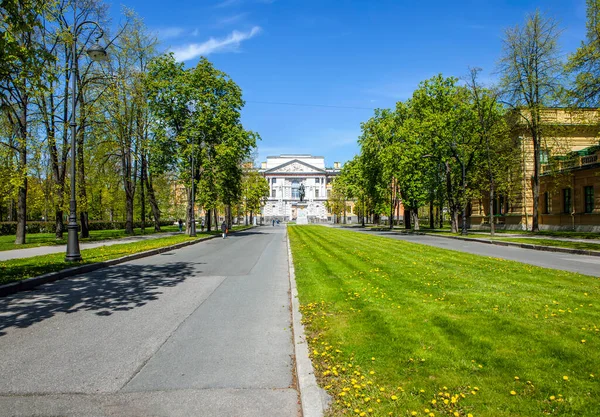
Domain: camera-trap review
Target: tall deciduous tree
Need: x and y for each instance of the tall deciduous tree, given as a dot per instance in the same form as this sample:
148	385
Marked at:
22	64
531	80
585	62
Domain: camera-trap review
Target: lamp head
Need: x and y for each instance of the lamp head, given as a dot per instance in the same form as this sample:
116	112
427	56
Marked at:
97	52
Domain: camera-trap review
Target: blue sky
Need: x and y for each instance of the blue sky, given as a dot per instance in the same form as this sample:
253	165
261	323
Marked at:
336	61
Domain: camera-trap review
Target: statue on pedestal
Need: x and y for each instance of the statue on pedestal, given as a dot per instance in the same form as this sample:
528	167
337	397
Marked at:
301	192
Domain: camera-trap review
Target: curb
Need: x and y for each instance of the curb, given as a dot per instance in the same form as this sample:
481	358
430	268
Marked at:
523	245
30	283
313	399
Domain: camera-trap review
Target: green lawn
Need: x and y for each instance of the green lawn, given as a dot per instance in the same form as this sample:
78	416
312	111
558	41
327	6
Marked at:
531	240
18	269
47	239
397	328
552	242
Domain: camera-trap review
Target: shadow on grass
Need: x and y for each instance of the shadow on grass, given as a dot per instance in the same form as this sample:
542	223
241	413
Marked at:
119	288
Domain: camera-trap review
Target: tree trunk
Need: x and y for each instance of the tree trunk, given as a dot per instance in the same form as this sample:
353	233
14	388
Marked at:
143	199
492	226
415	218
22	198
407	218
22	169
153	202
207	217
431	216
454	220
392	207
536	183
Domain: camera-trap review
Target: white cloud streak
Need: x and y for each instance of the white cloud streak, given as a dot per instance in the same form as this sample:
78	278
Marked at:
169	33
230	43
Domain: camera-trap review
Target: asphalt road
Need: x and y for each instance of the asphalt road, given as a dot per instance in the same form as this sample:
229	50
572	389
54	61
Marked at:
201	331
588	265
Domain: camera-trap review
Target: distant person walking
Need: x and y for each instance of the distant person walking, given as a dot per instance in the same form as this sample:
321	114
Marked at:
273	222
224	229
180	222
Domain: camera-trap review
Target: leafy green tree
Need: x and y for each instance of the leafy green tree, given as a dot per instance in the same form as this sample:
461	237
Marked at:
255	192
531	79
22	63
499	152
447	124
584	63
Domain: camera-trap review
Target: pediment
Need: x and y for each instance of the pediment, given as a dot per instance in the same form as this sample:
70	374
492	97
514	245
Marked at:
295	166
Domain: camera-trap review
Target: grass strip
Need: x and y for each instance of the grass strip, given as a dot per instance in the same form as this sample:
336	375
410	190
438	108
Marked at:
401	329
532	241
553	242
19	269
33	240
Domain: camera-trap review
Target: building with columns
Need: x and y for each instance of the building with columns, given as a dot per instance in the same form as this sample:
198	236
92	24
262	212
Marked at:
287	176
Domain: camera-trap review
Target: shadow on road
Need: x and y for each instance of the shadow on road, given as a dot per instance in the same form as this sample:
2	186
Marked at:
119	288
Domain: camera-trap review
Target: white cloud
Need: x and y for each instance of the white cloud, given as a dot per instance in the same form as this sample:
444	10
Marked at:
227	3
170	33
230	43
231	19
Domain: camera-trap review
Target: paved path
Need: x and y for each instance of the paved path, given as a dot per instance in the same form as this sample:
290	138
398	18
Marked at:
201	331
46	250
588	265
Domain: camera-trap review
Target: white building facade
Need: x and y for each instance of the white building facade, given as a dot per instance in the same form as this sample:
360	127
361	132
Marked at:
286	174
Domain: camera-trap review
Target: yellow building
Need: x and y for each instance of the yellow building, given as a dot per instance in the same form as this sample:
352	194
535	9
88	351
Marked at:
564	131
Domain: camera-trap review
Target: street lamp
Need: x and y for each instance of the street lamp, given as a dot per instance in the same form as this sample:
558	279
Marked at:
192	217
96	53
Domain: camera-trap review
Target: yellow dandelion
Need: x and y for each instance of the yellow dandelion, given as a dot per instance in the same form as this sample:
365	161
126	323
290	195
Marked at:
394	398
552	398
566	378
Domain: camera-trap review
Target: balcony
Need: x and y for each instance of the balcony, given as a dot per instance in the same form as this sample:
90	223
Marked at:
571	163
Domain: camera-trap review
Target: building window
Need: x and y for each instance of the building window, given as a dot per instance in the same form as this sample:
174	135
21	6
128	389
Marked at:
328	193
567	200
546	203
316	193
317	180
274	181
588	193
544	156
295	189
273	193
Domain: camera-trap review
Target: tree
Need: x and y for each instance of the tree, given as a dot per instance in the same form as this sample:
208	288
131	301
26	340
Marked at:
255	192
127	107
585	62
493	134
447	123
531	71
22	64
355	186
336	202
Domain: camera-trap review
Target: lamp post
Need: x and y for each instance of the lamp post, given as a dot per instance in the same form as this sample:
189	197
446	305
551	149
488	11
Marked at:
96	53
464	208
193	216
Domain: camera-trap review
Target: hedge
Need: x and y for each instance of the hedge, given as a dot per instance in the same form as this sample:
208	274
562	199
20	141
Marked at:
10	228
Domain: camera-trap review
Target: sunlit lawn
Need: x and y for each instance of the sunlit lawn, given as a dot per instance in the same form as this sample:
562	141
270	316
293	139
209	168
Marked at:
46	239
401	328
